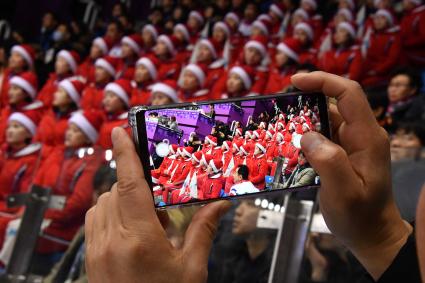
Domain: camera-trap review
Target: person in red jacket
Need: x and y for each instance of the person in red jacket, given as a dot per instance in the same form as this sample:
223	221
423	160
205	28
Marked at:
192	84
214	183
144	78
164	93
105	72
345	58
305	34
116	102
383	52
195	23
412	30
22	91
209	52
316	21
258	166
18	161
284	65
238	84
54	123
99	48
165	50
69	174
236	40
150	35
21	60
66	65
131	47
184	50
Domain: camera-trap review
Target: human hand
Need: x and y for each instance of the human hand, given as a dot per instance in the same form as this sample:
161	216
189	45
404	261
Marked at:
355	197
125	241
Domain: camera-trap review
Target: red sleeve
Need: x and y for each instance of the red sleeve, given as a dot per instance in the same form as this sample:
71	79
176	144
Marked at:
261	81
182	176
264	168
392	58
419	34
355	69
215	188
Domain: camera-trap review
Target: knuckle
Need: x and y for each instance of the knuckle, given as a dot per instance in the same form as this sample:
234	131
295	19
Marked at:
126	186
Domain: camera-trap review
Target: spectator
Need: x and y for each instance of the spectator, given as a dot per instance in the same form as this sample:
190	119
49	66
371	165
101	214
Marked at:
173	125
48	26
114	32
303	173
242	185
145	75
408	141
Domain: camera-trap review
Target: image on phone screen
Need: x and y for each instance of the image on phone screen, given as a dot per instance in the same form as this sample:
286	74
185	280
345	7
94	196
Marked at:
201	152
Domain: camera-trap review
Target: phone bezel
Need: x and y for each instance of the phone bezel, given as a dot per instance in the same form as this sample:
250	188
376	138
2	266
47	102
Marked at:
137	122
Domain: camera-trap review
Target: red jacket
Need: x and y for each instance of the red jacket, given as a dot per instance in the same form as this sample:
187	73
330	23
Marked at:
342	62
87	69
72	177
106	129
125	71
413	36
215	71
92	97
52	128
140	96
169	69
200	95
308	56
212	186
382	56
258	169
46	93
278	80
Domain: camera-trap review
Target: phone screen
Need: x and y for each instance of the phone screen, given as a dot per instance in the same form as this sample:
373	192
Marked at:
208	151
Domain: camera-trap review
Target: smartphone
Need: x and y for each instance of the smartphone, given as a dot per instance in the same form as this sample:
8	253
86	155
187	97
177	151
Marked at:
199	152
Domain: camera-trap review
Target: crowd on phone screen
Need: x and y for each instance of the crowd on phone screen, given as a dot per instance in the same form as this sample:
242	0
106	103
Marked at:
229	163
69	87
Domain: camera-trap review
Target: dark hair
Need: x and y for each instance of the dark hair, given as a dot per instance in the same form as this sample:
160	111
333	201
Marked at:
243	171
119	25
417	128
415	80
104	176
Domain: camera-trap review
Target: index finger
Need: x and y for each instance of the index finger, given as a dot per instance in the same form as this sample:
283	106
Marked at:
134	196
351	100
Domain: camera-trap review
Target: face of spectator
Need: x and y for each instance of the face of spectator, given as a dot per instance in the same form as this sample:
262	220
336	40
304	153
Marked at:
250	12
62	33
159	98
204	54
113	32
101	75
16	133
255	31
112	103
380	22
234	84
16	62
117	11
399	88
341	36
281	59
141	74
219	35
180	35
231	23
236	177
148	38
95	52
126	51
178	14
61	66
48	21
16	95
252	56
245	219
61	98
404	145
302	36
296	19
193	23
190	82
161	49
74	137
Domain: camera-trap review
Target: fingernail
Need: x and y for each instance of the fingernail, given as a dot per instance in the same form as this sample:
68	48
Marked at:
115	135
311	141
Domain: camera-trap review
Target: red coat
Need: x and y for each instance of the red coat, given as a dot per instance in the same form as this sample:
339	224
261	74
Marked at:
215	71
71	177
106	129
382	56
200	95
258	169
46	93
92	97
52	128
343	62
140	96
212	186
125	71
87	69
308	56
278	80
169	69
413	36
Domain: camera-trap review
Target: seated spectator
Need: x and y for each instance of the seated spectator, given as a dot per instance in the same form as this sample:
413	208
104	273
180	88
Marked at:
408	141
165	50
99	48
344	59
116	102
114	32
144	77
250	13
242	185
210	52
303	173
105	72
192	84
150	35
184	50
238	84
54	123
383	50
304	33
131	47
405	103
195	24
21	59
164	93
316	21
66	65
412	31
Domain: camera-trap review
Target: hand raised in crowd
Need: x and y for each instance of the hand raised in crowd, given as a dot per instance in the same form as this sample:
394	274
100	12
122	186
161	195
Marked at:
125	241
355	196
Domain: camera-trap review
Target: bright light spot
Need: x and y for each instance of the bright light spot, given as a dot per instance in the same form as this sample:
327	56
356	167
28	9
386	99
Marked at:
80	153
277	207
90	151
264	203
108	155
257	202
282	209
271	206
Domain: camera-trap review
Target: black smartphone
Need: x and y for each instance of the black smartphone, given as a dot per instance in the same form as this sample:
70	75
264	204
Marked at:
204	151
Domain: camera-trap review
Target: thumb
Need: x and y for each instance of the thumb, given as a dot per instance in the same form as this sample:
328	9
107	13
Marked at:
201	231
332	164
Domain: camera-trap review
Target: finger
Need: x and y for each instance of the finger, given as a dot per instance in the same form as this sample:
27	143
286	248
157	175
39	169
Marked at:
101	214
336	121
201	231
134	195
332	164
88	225
351	100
